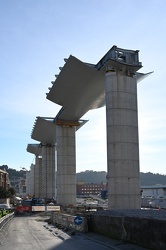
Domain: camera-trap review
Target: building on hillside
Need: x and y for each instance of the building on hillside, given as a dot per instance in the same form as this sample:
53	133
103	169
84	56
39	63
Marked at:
15	183
19	184
4	179
22	187
89	188
156	190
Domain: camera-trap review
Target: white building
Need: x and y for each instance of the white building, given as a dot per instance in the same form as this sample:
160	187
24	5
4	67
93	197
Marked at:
155	191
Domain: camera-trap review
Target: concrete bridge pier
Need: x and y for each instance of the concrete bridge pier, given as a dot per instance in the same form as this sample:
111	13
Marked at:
66	165
32	179
122	140
48	171
38	177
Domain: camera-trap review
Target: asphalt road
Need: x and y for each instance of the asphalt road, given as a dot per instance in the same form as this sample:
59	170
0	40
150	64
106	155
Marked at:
33	232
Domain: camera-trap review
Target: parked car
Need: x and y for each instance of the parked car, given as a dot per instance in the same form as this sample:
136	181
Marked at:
5	206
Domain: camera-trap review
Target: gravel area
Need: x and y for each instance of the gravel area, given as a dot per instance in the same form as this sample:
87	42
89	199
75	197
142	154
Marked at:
137	213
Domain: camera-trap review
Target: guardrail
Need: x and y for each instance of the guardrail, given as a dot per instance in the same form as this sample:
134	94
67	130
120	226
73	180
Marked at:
4	220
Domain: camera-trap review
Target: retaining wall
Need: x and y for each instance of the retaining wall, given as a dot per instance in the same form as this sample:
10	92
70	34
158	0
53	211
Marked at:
144	229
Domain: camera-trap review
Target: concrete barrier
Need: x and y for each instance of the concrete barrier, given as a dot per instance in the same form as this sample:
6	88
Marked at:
69	221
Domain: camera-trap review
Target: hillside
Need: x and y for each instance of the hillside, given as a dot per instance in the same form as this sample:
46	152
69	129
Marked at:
146	179
90	176
12	172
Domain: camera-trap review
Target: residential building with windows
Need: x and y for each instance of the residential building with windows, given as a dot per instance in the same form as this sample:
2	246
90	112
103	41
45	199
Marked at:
4	179
89	188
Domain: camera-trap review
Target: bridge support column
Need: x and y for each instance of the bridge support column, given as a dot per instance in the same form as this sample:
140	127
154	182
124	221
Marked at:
122	141
38	177
48	171
66	165
32	180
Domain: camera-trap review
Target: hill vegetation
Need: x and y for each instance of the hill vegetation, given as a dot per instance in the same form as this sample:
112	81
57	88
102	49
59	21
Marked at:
90	176
12	172
146	179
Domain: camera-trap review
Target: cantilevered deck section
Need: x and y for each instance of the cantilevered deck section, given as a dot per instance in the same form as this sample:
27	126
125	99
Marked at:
44	130
80	86
34	149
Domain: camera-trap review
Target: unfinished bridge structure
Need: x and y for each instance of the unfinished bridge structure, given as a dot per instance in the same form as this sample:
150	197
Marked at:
81	87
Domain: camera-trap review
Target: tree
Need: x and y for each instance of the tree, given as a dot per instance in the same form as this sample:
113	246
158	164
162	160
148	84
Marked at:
12	191
7	193
4	167
4	193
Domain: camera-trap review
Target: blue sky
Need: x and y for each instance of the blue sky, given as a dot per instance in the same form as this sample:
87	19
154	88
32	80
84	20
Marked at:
35	37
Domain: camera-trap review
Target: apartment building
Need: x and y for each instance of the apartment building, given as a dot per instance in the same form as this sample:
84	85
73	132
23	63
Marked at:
89	188
4	179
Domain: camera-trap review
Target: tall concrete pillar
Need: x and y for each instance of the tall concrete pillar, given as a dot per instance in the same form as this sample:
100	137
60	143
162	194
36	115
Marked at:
28	183
66	166
37	176
122	141
40	176
48	171
32	173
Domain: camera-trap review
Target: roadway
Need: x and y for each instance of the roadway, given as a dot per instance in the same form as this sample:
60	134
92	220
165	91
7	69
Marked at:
33	232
